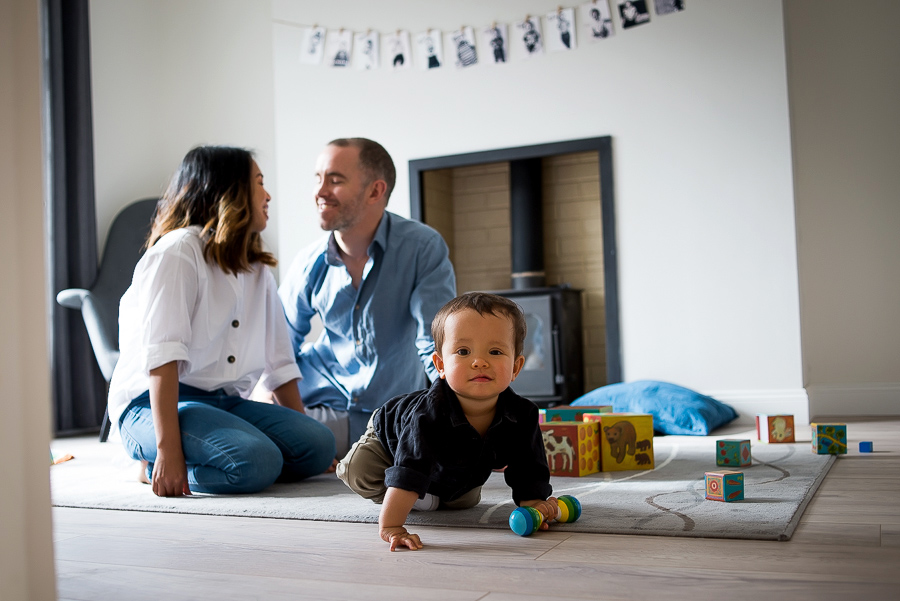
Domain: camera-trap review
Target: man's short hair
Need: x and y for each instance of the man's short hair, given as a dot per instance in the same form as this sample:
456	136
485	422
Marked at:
483	303
374	161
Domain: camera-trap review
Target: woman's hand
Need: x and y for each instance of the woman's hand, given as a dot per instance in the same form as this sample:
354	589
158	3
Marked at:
399	537
169	478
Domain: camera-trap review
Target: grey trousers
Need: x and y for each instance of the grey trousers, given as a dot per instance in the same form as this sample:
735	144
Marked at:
336	421
362	470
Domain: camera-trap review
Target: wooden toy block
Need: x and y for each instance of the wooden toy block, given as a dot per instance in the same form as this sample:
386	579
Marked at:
725	486
733	452
571	413
626	440
829	439
572	448
775	428
866	446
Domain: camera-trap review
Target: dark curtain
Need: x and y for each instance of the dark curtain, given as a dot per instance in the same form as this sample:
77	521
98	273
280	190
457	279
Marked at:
79	390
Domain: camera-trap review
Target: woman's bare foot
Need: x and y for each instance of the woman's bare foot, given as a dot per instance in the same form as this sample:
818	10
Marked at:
142	476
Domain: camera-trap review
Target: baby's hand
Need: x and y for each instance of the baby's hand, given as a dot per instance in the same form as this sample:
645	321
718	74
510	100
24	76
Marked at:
549	509
399	537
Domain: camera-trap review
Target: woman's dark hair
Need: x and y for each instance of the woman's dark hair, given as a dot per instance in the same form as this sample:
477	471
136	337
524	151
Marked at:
212	189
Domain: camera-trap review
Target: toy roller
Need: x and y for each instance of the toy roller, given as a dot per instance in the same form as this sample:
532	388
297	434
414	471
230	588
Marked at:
524	521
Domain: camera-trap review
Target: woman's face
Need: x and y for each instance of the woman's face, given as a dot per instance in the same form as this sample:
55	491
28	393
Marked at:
259	200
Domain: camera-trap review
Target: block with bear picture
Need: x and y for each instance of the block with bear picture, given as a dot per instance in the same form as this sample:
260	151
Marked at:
775	428
572	448
626	440
571	413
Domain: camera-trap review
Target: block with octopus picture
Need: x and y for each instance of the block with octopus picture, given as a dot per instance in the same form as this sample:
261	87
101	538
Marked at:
626	440
572	448
775	428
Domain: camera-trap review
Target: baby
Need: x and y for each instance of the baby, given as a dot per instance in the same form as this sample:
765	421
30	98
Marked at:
437	447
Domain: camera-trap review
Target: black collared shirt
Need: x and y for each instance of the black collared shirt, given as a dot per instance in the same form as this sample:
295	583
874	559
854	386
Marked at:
436	449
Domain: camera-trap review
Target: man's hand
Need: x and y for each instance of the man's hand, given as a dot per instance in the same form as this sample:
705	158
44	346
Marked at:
397	536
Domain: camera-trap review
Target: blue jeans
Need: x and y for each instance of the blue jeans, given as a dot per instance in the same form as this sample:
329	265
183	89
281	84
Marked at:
232	445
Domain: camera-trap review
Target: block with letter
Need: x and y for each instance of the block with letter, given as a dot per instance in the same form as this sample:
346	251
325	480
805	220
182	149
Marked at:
571	413
626	440
725	486
775	428
829	439
732	452
572	448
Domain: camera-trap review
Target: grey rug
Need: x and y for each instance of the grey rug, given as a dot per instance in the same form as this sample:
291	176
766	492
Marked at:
667	501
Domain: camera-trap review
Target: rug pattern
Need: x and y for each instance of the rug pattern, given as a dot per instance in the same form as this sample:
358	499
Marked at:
668	500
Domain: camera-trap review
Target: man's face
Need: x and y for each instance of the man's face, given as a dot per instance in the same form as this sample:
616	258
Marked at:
341	188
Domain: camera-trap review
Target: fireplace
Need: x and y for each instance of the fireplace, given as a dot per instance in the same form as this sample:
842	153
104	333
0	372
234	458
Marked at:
536	225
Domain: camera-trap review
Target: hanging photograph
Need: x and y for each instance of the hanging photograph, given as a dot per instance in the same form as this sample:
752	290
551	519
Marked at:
633	13
365	50
429	49
529	34
496	38
464	47
561	30
664	7
399	54
337	48
312	46
596	20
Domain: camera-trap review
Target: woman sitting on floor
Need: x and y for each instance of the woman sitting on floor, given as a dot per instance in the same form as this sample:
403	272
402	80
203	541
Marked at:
200	324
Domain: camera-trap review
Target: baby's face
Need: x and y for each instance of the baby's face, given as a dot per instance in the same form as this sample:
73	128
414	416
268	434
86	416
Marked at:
478	357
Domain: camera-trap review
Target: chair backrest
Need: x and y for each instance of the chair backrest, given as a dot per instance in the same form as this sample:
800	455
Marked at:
124	247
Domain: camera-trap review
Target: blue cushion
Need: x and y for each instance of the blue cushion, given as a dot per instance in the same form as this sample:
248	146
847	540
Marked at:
675	409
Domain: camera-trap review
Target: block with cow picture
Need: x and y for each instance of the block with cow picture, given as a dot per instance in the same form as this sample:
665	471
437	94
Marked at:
626	440
573	448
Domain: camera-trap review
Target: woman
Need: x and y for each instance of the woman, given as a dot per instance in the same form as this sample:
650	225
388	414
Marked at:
200	324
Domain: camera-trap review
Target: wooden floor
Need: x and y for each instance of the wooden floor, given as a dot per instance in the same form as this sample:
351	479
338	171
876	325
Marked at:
847	547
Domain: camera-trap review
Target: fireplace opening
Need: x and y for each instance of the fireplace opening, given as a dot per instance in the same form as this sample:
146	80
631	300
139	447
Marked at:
535	224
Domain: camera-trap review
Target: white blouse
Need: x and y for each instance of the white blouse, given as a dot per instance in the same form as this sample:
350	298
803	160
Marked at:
225	331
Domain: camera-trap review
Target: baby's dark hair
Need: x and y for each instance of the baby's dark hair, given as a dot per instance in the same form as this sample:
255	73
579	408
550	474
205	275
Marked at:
483	303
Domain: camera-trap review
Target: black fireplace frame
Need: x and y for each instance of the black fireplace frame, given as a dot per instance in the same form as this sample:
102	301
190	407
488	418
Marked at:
603	147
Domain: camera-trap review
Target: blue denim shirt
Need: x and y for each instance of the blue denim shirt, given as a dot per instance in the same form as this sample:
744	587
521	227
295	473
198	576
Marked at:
436	449
376	342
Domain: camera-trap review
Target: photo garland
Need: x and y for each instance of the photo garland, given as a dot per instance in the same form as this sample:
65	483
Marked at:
557	31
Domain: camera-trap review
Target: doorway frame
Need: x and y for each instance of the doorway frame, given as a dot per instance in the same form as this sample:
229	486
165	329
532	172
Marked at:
603	147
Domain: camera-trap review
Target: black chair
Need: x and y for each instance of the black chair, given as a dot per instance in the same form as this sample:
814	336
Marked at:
100	304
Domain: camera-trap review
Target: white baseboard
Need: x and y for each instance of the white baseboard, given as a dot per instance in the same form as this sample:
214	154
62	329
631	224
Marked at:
788	401
854	399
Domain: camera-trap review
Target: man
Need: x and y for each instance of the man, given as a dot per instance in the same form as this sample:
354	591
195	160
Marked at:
376	282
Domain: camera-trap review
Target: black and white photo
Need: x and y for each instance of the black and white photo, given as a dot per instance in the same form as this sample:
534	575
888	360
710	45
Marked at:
398	50
365	50
429	49
530	38
596	20
464	47
312	46
495	42
665	7
561	30
633	13
337	47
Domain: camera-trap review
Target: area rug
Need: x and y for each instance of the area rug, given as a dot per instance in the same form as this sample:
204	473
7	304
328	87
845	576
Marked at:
666	501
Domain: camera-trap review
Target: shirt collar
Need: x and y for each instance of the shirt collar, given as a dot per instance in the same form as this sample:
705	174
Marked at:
458	418
333	254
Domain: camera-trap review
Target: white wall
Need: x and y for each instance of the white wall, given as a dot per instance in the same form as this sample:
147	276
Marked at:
168	75
697	107
26	552
845	91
